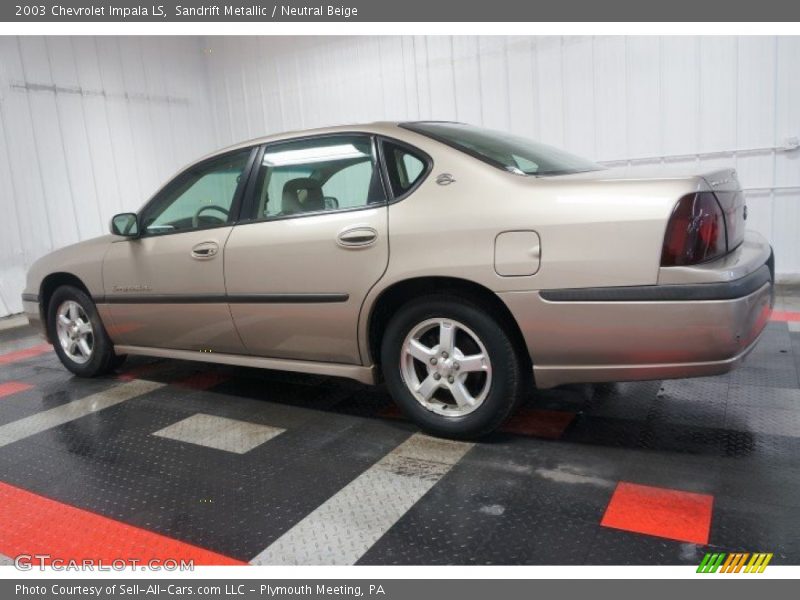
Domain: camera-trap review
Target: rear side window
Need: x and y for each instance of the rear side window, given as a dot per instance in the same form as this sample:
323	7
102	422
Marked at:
315	175
351	185
404	166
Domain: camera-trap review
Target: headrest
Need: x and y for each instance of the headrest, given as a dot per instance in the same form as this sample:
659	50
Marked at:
302	195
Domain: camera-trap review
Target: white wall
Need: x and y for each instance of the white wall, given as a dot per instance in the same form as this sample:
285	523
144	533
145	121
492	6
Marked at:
89	127
665	102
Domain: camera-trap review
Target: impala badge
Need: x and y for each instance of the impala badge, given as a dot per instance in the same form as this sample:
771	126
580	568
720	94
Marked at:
445	179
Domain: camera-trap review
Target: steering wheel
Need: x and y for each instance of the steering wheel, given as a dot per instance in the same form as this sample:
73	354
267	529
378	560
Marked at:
196	217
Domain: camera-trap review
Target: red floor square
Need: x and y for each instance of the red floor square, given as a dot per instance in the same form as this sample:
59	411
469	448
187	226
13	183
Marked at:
12	387
672	514
785	315
549	424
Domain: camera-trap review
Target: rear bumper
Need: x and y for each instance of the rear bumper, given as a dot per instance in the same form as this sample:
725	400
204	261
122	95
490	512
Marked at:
644	332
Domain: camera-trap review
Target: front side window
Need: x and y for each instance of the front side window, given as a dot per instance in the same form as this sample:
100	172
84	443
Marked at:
318	175
198	198
506	151
404	166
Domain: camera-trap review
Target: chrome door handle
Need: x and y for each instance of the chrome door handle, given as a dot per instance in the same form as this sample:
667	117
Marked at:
357	236
205	250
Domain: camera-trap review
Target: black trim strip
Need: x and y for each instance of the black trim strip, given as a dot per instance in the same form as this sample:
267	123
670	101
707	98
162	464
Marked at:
286	298
221	299
30	298
729	290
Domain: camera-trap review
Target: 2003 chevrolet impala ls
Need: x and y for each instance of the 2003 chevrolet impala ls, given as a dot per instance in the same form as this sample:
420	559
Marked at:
463	265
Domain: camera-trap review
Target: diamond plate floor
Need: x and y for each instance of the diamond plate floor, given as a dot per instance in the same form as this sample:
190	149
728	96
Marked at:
274	467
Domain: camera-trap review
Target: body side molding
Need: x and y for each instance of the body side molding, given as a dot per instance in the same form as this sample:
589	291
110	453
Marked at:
221	299
729	290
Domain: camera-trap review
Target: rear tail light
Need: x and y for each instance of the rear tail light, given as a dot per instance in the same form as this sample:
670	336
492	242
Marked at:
695	232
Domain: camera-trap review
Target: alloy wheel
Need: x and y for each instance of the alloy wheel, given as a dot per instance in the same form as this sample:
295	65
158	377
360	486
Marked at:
75	332
446	367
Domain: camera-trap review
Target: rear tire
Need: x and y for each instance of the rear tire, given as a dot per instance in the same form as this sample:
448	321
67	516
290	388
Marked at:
464	388
78	335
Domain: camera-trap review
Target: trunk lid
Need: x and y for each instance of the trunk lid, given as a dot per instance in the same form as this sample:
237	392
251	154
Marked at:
722	182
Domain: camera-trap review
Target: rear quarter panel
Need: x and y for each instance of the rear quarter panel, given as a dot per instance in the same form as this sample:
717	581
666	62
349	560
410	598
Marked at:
606	232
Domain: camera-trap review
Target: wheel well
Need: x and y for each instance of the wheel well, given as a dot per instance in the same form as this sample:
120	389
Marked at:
393	297
51	283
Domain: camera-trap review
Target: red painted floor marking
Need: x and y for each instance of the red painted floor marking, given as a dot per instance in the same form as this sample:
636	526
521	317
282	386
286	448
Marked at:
203	380
549	424
32	524
661	512
138	372
785	315
391	412
37	350
12	387
535	422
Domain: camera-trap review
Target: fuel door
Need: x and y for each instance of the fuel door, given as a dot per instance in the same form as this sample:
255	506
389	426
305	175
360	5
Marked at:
517	253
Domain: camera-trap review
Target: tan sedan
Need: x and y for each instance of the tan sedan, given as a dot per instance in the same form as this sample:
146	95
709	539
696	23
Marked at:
462	265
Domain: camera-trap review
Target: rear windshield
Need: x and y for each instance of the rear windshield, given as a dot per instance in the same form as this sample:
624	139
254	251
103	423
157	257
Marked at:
504	150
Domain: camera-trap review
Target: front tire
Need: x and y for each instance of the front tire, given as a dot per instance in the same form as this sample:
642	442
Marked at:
77	333
452	367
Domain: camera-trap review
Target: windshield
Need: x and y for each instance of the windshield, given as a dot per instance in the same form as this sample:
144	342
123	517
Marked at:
504	150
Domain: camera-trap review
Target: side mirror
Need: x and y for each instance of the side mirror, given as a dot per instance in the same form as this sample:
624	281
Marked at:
125	224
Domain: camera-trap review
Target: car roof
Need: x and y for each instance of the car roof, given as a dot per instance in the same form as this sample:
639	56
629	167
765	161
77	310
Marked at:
388	128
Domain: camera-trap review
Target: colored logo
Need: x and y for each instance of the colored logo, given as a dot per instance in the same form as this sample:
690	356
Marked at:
734	562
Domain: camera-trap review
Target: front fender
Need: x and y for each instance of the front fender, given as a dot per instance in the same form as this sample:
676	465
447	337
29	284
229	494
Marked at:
82	261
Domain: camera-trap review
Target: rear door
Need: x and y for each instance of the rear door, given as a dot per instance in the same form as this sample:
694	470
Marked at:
311	244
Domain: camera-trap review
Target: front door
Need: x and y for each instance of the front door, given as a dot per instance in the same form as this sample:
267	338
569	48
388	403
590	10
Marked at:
166	289
317	241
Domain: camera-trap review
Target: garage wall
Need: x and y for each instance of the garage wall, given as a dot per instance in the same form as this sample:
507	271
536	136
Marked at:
89	127
641	101
92	126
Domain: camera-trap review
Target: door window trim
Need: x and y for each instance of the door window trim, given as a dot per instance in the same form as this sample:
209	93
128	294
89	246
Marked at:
236	203
417	152
249	203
